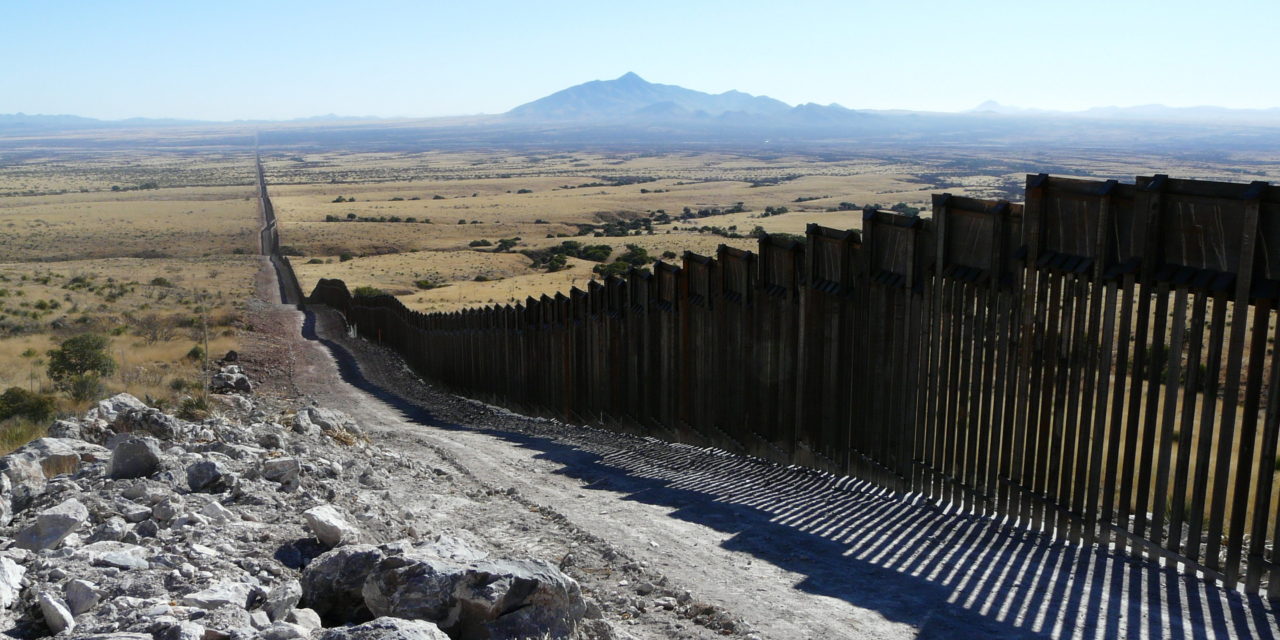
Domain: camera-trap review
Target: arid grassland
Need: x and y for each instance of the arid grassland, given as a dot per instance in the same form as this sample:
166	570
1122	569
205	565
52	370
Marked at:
152	252
429	227
149	247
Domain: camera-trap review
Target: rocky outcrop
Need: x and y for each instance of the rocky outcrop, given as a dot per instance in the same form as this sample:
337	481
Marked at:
387	629
52	526
262	521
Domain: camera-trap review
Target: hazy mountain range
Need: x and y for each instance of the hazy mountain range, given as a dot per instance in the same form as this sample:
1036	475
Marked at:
632	98
631	110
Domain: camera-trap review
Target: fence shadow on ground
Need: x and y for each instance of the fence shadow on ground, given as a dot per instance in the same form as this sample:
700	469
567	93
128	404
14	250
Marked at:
948	575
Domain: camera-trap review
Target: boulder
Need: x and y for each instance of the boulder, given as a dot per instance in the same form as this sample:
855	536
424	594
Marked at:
24	479
113	529
11	574
149	422
185	630
218	513
57	456
282	599
120	555
220	595
286	471
131	511
386	629
135	457
477	600
53	525
81	596
108	410
328	420
332	583
168	508
66	429
6	500
209	476
284	631
330	526
56	614
227	382
305	618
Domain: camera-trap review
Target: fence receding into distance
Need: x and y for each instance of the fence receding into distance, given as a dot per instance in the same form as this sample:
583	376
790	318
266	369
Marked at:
1097	363
269	243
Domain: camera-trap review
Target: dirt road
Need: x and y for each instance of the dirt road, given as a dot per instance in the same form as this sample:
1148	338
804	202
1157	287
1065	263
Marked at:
790	552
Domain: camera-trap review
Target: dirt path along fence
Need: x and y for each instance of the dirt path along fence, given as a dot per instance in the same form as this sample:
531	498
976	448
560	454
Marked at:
1097	364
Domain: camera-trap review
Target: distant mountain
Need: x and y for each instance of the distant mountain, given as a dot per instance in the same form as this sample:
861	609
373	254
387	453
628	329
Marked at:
631	96
633	100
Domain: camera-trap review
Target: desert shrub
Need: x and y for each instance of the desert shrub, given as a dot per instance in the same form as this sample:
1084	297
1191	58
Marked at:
154	327
19	402
345	256
480	243
79	363
367	291
612	269
193	408
427	284
196	353
161	282
315	261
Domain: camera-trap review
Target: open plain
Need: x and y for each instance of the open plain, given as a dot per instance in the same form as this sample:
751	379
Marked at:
157	249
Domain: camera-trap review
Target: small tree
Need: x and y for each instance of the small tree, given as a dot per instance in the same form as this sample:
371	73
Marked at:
78	364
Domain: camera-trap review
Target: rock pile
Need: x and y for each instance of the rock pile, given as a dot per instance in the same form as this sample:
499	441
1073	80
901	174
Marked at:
129	523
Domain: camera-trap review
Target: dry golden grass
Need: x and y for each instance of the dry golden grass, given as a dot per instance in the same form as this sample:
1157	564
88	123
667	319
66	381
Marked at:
179	222
482	190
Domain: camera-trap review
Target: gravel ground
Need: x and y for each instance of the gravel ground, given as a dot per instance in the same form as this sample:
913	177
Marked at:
764	550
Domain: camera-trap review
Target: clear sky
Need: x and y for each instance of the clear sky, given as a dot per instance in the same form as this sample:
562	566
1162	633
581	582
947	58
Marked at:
229	59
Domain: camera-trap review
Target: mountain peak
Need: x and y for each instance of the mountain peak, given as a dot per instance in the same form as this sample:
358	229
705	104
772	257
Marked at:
630	97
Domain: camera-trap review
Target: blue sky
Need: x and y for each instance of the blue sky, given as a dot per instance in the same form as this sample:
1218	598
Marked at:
265	59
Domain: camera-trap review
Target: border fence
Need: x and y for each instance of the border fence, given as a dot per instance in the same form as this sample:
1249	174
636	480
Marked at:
1096	364
269	244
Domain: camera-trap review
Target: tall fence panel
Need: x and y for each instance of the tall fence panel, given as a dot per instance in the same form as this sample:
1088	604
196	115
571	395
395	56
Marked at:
1097	364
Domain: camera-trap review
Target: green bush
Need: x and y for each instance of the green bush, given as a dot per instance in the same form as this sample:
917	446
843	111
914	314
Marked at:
16	401
77	365
368	292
